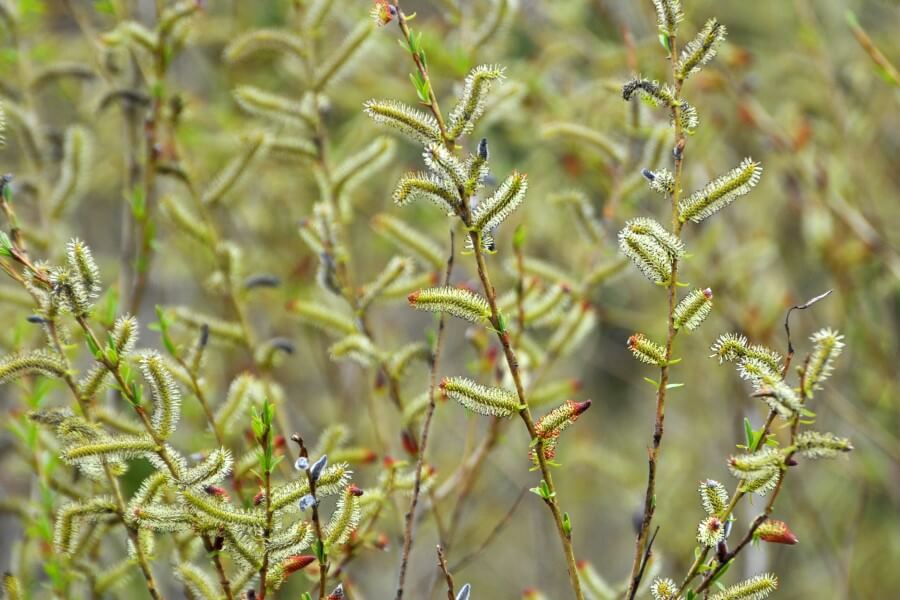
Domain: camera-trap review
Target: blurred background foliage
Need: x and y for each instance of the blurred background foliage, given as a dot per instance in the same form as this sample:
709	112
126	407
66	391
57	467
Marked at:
791	88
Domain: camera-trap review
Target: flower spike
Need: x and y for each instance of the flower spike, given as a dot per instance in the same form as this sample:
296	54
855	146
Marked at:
693	309
720	193
414	123
472	103
828	346
755	588
458	302
714	497
668	15
489	401
493	211
701	49
646	351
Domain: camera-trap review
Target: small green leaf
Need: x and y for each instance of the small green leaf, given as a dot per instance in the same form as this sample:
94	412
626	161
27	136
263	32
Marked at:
543	491
164	331
519	237
5	244
319	550
748	432
567	525
111	355
725	568
136	394
673	386
664	42
94	348
138	204
652	382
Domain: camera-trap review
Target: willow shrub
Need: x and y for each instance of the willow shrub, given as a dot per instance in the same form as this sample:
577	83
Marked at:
145	459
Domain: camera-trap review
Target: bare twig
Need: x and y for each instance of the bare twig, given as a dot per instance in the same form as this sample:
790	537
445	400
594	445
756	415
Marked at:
659	427
787	326
442	563
423	443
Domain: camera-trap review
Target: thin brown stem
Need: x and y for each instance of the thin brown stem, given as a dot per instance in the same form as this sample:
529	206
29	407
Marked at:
423	71
442	564
84	404
736	497
169	461
152	150
270	516
525	413
659	425
317	523
426	429
502	333
212	548
748	537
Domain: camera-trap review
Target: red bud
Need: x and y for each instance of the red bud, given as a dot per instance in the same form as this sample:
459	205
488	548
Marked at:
776	532
293	564
214	490
409	443
381	541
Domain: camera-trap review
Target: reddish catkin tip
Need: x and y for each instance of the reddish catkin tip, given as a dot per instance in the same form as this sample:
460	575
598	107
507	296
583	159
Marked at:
369	457
389	462
382	542
708	293
576	385
259	497
581	564
580	407
413	297
492	353
293	564
215	490
279	442
355	490
775	531
409	443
